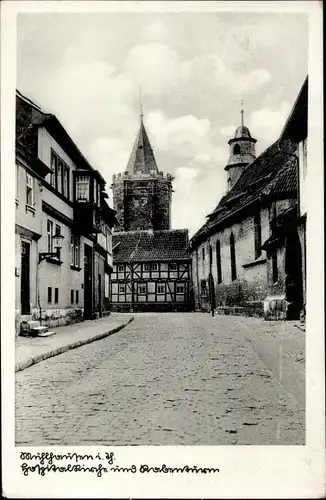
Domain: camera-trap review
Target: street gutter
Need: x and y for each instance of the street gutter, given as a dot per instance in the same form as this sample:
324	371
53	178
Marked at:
33	360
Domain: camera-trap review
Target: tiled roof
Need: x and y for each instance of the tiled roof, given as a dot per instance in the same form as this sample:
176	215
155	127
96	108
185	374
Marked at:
142	157
272	174
143	246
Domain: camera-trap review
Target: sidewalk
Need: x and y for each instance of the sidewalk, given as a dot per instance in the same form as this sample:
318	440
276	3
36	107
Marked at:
32	350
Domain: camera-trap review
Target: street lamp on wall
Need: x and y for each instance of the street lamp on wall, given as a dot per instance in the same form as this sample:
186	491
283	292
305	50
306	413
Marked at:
57	241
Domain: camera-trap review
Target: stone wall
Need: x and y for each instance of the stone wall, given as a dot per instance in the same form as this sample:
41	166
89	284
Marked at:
254	275
142	202
118	202
162	210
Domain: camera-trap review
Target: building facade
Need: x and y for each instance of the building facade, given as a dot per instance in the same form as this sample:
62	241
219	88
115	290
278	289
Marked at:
250	245
63	225
151	267
151	271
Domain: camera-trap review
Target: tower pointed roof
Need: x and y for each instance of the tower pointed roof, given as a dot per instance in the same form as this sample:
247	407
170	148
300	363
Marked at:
142	158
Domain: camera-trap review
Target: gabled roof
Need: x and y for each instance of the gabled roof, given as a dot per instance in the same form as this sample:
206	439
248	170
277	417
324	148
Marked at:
146	246
271	175
56	129
142	158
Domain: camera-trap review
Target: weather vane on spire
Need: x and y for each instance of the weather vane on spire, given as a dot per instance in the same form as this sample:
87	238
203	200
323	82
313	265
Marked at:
242	112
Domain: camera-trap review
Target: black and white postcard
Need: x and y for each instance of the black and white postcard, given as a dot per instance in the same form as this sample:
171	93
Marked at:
162	249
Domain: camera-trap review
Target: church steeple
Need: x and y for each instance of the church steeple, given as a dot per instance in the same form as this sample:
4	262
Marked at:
242	152
142	159
142	194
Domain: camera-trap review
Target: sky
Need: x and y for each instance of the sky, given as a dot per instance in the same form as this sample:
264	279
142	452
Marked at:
193	70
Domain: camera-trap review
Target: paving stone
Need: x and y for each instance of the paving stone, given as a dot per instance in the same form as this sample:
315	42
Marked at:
166	379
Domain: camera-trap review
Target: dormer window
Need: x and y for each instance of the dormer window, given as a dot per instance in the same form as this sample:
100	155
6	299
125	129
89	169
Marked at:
82	188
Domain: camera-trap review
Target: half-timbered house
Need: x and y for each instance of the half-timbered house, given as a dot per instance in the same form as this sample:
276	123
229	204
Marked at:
151	271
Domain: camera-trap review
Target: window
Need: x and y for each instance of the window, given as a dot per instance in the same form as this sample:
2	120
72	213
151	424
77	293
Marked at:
121	268
147	267
49	234
59	175
180	288
233	262
75	250
274	266
210	257
106	285
49	295
272	218
53	170
109	241
257	229
72	296
29	190
57	233
77	296
236	149
56	295
94	192
218	262
154	266
82	188
141	288
161	288
65	190
172	266
203	254
122	288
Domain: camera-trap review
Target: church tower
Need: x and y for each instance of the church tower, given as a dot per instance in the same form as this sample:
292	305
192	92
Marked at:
142	194
242	152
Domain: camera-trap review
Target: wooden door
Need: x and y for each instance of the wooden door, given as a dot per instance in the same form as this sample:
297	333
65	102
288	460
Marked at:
25	278
88	282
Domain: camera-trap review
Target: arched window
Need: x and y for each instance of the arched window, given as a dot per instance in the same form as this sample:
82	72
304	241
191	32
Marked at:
210	257
233	262
257	225
218	262
236	149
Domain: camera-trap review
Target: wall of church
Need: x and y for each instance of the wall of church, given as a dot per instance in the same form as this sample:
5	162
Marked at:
254	276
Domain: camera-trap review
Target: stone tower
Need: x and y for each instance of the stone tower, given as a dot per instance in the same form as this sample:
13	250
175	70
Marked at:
142	194
242	152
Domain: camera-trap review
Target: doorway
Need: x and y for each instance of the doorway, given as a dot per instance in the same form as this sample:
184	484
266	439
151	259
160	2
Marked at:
25	278
100	295
293	274
88	282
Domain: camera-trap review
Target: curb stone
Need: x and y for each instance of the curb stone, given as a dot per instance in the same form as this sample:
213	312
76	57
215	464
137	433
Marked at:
60	350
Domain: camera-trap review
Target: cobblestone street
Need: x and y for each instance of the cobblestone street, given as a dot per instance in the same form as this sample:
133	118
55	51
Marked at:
170	379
